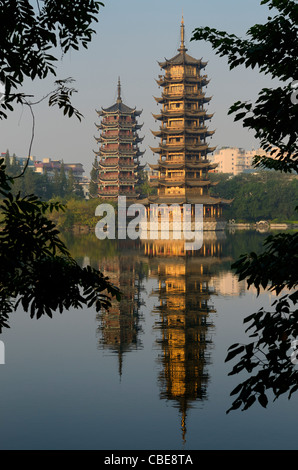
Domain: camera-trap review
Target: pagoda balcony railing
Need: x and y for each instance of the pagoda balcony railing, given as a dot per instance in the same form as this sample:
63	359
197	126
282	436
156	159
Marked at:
119	151
108	191
109	161
108	179
122	192
107	166
172	126
183	178
182	110
181	146
172	178
197	162
127	165
181	126
116	137
174	110
117	124
180	76
166	79
172	144
118	146
116	192
180	114
114	177
191	132
183	94
197	178
116	161
176	160
127	178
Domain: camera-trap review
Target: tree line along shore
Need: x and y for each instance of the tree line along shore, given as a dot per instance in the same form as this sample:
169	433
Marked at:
262	195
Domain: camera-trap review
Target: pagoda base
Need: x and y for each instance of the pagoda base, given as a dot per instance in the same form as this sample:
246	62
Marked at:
210	225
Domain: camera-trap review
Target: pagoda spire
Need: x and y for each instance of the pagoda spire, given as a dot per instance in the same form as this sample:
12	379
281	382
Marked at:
182	47
119	100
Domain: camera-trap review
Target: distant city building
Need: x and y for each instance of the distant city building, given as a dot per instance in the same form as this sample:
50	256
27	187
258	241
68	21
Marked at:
84	185
49	167
152	175
118	164
235	160
184	163
21	160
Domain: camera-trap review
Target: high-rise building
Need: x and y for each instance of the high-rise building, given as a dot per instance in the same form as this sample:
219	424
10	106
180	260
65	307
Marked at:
183	163
118	154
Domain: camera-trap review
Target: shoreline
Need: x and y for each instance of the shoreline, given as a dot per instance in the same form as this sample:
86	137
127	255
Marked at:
259	227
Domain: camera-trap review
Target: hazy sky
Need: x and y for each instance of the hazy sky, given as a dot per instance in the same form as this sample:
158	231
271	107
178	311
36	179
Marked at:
132	36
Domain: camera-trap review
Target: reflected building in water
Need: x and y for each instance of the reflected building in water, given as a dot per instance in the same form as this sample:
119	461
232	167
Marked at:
120	327
184	319
226	284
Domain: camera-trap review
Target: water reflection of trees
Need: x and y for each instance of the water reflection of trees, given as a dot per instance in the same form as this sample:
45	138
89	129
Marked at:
184	318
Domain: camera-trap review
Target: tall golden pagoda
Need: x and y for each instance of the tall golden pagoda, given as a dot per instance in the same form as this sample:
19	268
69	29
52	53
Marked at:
183	163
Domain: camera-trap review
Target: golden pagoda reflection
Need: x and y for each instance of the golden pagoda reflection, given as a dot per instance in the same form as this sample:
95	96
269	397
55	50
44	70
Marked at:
184	321
120	327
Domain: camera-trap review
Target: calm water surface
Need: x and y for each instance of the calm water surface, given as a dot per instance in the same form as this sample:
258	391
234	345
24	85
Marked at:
150	374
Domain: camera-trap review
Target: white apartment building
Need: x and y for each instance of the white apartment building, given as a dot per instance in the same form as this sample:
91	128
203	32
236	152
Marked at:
234	160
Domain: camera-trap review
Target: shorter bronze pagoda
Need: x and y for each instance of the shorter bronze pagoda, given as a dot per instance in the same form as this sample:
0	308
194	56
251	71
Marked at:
118	155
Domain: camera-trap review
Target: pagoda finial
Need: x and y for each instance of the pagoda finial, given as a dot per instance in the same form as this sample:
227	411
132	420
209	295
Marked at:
182	47
119	100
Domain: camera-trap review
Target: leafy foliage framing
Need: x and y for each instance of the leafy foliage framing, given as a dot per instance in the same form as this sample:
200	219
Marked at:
37	270
272	48
31	33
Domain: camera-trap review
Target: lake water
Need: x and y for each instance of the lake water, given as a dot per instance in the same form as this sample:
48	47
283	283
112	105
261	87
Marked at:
151	373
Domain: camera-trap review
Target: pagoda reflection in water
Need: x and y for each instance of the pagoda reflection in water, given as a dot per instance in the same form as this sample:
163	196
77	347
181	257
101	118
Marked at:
120	327
184	318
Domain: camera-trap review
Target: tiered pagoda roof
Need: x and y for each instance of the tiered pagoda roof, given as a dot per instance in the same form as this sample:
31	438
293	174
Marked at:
119	107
